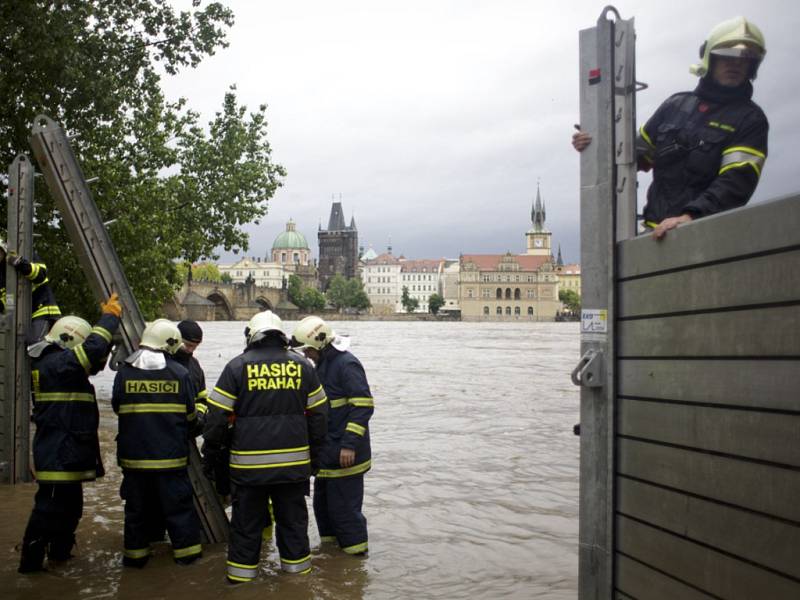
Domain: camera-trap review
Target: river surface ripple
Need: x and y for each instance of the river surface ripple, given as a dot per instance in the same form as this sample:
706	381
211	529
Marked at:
473	492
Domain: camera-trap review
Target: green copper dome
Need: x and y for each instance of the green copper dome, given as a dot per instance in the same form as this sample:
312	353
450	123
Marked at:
290	238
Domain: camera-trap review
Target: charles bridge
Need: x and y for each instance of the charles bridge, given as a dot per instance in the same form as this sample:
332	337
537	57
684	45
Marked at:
203	300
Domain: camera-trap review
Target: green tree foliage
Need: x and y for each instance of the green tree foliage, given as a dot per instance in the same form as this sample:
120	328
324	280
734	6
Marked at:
435	302
571	301
305	298
347	293
203	272
409	303
173	188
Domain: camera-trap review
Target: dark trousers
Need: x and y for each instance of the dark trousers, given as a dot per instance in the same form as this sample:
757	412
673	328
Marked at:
57	509
154	499
337	508
251	516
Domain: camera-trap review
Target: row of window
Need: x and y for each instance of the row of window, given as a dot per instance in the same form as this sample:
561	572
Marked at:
499	310
417	277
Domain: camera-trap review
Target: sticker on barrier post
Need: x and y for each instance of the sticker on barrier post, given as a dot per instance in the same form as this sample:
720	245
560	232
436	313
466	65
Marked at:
594	320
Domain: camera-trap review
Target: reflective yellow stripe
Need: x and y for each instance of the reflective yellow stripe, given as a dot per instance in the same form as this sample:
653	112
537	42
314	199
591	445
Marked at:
126	409
357	548
271	466
164	463
746	149
224	393
651	224
46	311
63	397
80	354
240	572
222	399
136	553
201	408
278	451
35	268
188	551
646	137
191	416
363	402
202	394
354	470
65	475
356	428
736	165
102	332
316	398
327	538
338	403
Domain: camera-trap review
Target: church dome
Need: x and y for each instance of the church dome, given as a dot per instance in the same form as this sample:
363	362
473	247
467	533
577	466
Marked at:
290	239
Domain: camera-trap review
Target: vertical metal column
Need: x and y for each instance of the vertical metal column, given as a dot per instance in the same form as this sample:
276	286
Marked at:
608	212
18	315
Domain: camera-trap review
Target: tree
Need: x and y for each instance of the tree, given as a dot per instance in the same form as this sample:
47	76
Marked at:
305	298
347	293
435	302
203	271
571	301
172	190
409	304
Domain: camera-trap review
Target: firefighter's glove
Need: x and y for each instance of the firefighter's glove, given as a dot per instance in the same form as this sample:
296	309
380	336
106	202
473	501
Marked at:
20	263
112	306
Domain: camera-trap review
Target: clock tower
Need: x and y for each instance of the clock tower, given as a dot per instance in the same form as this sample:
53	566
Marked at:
538	236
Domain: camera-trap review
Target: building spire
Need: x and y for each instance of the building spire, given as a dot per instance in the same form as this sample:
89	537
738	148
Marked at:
559	260
538	211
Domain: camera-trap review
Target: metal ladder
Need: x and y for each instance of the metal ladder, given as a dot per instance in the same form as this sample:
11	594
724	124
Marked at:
99	261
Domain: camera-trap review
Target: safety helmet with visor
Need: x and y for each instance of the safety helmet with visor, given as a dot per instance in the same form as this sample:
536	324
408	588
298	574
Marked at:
736	38
68	332
262	325
161	334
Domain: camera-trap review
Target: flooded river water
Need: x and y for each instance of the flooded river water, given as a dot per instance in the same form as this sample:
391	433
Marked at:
473	491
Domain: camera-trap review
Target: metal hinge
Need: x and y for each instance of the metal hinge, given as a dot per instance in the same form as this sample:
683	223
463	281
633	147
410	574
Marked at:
589	372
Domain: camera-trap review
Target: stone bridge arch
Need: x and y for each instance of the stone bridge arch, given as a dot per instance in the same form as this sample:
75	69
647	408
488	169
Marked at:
223	310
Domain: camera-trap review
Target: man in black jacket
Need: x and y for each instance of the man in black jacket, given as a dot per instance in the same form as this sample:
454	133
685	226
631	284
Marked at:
66	450
707	148
278	412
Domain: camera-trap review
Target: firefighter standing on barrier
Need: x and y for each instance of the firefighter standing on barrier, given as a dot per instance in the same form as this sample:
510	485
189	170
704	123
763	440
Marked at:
707	147
279	413
339	484
66	449
154	397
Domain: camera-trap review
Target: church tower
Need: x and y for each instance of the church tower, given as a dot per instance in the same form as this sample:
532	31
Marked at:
538	235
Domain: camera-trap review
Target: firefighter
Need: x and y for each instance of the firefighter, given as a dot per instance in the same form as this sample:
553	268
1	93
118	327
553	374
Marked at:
154	398
279	414
707	148
44	308
66	450
339	484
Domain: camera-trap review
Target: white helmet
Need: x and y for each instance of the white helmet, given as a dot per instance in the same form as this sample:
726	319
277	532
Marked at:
69	331
263	323
313	332
161	334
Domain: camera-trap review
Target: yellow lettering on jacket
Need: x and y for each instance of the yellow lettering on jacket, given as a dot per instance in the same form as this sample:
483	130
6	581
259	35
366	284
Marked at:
151	386
273	383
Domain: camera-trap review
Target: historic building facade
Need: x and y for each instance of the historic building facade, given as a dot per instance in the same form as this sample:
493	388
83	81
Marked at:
512	286
338	248
381	277
422	278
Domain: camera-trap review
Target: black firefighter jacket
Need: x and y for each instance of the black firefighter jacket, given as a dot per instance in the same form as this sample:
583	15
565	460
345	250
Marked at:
65	446
707	149
278	410
156	415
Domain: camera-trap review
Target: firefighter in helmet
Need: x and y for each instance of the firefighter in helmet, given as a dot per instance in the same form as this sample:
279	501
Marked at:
339	484
66	450
278	411
707	148
154	397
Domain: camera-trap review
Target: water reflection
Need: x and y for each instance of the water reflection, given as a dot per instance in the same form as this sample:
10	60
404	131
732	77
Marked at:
473	493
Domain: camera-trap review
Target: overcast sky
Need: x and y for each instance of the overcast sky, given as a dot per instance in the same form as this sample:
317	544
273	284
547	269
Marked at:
435	119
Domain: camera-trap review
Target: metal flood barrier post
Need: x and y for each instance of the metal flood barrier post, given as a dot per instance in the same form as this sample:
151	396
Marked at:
690	402
99	261
16	385
608	213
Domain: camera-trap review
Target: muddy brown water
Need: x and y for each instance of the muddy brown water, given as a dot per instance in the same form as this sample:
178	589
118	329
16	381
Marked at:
473	492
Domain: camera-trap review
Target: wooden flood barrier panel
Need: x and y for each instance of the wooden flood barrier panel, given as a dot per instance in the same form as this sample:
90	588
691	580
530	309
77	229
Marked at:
707	440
